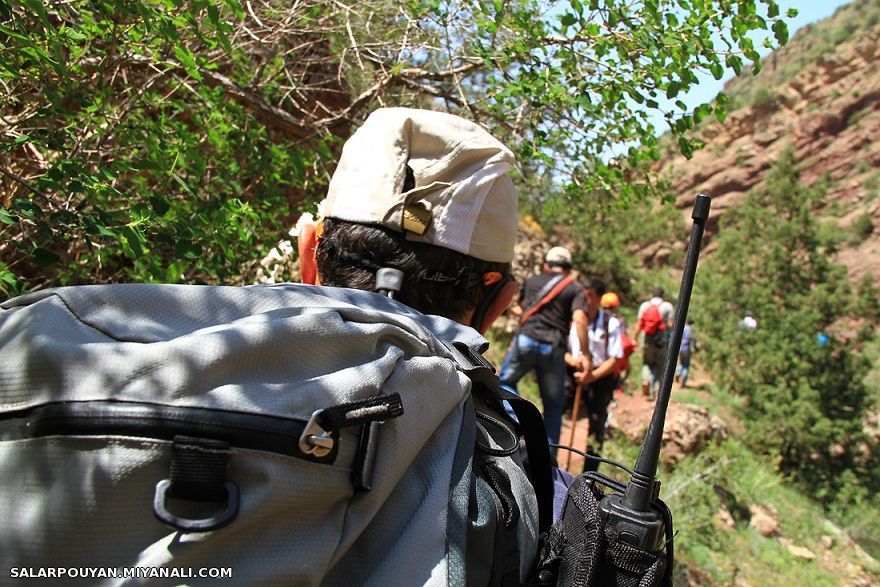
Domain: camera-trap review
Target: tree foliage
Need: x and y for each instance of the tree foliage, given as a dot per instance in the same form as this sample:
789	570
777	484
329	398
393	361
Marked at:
175	140
806	401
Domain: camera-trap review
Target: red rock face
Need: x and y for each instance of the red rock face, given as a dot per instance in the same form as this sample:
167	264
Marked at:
830	113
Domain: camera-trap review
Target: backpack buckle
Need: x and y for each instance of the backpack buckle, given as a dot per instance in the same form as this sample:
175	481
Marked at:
315	440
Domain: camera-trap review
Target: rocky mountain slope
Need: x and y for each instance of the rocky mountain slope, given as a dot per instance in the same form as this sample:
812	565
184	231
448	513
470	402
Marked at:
820	94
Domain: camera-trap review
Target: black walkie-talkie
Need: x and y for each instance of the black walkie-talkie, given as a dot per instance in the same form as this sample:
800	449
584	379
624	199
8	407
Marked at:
629	517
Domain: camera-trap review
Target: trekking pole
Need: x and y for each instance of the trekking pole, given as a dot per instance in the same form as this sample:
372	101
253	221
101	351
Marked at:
631	514
574	420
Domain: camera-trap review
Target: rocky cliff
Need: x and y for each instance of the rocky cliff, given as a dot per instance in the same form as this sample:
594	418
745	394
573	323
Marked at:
820	94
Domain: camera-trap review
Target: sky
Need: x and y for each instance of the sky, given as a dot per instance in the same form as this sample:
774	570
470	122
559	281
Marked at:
809	11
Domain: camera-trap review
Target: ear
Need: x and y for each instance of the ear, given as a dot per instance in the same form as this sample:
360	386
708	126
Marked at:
306	243
502	296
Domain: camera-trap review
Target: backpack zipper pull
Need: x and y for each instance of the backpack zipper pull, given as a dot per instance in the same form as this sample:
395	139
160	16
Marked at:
318	438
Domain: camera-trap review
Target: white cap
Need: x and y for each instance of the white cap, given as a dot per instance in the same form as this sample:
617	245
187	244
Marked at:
559	256
463	198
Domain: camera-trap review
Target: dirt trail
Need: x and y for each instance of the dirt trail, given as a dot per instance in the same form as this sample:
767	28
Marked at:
629	411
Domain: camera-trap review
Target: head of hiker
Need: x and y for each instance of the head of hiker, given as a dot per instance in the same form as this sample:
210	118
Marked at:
428	194
559	258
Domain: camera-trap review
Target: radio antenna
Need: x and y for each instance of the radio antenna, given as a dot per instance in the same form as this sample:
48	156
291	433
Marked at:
640	490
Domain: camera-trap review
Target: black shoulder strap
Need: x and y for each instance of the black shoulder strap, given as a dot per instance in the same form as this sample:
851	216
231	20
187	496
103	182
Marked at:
531	426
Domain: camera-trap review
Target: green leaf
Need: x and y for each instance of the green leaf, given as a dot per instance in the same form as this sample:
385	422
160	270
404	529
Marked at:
160	205
26	208
780	31
188	60
13	33
672	89
735	63
185	249
567	19
8	277
132	242
44	257
685	147
74	35
182	184
702	111
639	99
6	217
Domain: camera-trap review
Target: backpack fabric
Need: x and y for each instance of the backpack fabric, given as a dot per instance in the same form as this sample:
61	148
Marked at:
652	321
292	434
629	347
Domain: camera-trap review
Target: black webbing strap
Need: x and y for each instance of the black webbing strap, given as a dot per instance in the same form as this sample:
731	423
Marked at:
531	425
198	469
198	473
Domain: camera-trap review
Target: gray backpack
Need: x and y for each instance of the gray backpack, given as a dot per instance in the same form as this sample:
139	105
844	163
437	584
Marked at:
264	435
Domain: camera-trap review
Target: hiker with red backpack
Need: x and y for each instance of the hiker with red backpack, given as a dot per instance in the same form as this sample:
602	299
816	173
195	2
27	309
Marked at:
655	321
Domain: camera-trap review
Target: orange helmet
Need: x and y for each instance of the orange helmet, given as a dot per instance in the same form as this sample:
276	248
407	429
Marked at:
610	300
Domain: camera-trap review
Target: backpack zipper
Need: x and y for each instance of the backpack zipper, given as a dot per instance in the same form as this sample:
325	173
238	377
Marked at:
274	434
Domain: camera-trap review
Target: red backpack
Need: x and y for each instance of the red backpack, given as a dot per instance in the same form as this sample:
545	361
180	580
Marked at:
629	347
651	321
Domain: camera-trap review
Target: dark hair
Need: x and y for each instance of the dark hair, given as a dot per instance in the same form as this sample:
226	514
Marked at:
561	264
436	280
657	292
596	285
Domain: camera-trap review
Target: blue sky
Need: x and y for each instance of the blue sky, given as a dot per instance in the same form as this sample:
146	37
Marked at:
809	11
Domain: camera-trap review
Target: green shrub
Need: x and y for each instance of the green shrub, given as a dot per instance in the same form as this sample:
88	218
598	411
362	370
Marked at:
762	95
861	228
804	401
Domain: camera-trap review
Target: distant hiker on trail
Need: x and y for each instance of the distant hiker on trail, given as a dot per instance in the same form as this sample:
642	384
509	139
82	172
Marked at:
548	303
688	344
748	322
605	351
610	302
655	320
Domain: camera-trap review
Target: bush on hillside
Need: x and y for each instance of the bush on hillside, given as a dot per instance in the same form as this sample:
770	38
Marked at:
805	400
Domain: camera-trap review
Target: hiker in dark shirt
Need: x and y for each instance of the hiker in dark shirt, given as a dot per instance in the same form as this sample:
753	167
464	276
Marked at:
549	302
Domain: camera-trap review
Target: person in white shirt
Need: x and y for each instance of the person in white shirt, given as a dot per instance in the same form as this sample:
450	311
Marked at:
605	349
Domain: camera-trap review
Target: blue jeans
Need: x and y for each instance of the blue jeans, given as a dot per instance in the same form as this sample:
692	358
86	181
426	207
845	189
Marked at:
548	362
